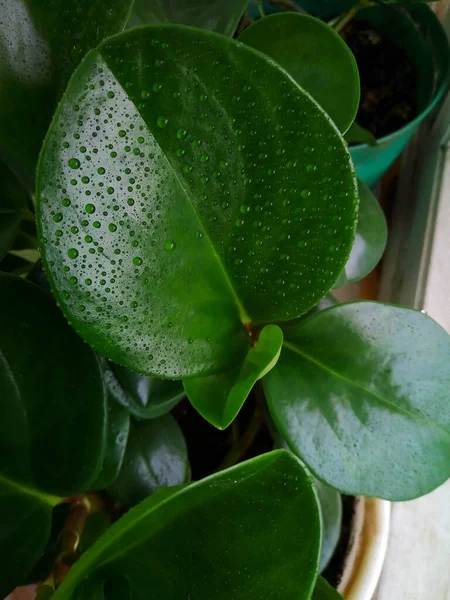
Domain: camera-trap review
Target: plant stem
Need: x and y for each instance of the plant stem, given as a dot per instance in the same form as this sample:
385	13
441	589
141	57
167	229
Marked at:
69	539
240	448
348	16
260	9
288	5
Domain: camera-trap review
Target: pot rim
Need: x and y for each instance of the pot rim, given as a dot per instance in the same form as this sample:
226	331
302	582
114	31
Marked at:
367	549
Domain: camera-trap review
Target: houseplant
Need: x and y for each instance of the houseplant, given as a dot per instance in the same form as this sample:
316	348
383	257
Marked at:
194	207
403	55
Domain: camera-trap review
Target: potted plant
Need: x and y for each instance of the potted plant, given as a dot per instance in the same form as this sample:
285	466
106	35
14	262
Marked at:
403	59
194	207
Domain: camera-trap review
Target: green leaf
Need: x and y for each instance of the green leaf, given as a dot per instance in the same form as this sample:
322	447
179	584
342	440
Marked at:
370	241
41	43
144	397
53	420
96	525
315	56
13	201
216	15
331	509
360	135
360	393
219	398
155	457
198	542
116	442
324	591
330	503
231	181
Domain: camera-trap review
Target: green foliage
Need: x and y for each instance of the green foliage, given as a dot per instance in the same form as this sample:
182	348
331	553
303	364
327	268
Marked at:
49	447
143	397
209	177
370	240
306	48
195	204
219	397
216	15
324	591
221	526
41	42
155	457
352	390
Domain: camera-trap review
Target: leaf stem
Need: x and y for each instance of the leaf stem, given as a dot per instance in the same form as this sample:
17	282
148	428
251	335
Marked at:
241	446
69	539
288	5
348	16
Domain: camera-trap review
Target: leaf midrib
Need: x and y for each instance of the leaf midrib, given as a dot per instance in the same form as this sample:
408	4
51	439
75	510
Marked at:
242	312
42	497
382	399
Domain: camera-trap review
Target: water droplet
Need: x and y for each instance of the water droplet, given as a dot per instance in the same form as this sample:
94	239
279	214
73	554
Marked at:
169	245
112	227
130	201
244	208
74	163
58	217
73	280
122	133
137	260
181	133
162	122
72	253
90	209
110	94
65	202
101	171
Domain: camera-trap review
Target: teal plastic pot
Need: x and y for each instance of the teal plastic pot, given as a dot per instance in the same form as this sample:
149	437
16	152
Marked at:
420	34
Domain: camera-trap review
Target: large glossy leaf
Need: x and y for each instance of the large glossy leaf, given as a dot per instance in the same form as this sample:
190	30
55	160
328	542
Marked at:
13	201
247	532
118	426
216	15
201	202
361	394
220	397
52	425
315	56
324	591
370	240
41	43
144	397
155	457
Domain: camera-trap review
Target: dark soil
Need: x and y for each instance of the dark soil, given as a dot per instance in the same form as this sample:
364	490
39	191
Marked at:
388	80
208	446
333	572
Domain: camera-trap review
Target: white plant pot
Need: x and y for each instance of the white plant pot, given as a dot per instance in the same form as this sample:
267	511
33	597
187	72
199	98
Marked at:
367	550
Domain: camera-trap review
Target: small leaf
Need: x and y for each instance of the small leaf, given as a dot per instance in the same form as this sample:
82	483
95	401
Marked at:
216	15
41	43
315	56
116	442
207	196
13	201
370	241
331	509
324	591
219	398
360	393
359	135
156	456
52	426
260	519
144	397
